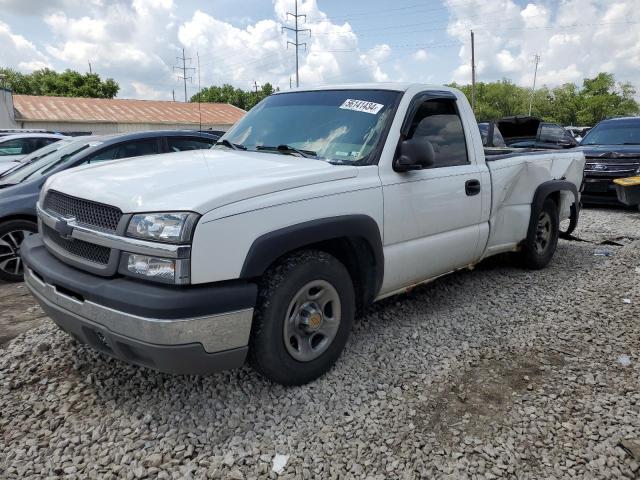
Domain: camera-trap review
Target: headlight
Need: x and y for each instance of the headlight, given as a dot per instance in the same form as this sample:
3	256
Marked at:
170	227
165	270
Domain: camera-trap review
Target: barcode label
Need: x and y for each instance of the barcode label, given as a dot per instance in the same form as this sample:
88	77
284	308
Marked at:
361	106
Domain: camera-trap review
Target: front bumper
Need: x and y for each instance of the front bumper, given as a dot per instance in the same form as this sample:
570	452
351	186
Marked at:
599	191
182	330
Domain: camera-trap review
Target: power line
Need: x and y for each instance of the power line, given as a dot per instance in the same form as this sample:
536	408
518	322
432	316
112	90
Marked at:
184	69
296	30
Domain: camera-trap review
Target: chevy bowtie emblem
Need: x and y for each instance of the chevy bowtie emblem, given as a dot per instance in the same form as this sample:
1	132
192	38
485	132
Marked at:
63	227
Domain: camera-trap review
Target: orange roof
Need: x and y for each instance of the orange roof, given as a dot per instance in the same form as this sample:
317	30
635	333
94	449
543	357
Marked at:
72	109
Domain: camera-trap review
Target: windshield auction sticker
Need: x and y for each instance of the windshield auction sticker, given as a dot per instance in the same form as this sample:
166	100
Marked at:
361	106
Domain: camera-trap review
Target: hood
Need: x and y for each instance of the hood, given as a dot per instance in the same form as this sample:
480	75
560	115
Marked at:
518	126
611	152
198	180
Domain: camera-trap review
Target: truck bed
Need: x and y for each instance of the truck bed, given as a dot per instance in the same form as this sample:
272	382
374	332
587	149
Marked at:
515	177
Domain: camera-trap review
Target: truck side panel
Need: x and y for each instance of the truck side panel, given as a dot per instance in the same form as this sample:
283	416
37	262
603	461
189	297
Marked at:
515	180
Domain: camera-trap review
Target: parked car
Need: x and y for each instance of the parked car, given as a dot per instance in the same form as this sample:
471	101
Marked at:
311	207
20	187
532	132
491	135
577	132
16	147
16	131
612	149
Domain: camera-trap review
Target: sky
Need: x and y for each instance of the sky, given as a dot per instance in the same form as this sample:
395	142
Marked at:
137	42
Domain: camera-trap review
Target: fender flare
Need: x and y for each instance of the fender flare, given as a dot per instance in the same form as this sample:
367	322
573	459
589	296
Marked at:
542	192
269	247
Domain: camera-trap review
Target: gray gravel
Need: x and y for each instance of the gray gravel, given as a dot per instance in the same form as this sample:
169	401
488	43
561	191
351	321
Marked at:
494	373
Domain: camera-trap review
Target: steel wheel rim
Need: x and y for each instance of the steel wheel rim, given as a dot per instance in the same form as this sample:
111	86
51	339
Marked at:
543	232
312	320
10	260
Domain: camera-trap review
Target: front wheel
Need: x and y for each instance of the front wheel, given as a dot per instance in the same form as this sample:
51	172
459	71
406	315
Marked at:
12	234
306	306
538	252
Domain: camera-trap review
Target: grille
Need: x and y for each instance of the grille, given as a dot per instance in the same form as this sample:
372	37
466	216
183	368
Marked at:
79	248
88	213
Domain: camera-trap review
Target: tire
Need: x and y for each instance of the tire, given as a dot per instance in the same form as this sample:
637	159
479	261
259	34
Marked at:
12	233
538	253
303	318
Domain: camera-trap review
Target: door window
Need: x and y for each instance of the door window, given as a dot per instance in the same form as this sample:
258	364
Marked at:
180	144
439	122
19	146
550	133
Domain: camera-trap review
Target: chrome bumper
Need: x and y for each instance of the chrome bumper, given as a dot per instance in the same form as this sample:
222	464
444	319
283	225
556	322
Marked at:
216	333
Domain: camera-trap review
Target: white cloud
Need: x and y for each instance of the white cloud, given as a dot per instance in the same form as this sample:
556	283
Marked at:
575	39
18	52
420	55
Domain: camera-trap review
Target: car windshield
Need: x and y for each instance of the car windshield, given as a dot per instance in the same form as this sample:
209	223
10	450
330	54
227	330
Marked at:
340	126
39	162
616	132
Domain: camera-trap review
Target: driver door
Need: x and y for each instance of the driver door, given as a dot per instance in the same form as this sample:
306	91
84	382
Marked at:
432	216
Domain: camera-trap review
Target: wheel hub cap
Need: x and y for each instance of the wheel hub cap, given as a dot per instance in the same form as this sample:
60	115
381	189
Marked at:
310	317
312	321
543	232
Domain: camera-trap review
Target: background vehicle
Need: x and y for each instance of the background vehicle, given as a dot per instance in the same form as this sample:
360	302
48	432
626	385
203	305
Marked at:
612	150
531	132
20	187
311	207
491	135
16	147
577	132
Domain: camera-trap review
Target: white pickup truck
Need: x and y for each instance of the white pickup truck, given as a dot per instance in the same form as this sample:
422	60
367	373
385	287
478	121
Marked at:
313	206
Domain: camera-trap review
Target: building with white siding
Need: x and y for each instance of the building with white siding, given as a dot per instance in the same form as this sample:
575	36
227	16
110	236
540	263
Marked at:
101	116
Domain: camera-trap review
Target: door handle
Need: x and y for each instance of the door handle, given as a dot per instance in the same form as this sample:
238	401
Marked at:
472	187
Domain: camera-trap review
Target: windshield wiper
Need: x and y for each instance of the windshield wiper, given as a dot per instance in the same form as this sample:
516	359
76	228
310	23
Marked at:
288	149
233	146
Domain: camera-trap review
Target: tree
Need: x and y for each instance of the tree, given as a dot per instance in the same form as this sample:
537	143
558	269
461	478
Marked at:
66	84
600	97
235	96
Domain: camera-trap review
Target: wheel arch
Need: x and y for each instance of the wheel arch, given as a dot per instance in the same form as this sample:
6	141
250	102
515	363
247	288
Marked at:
553	189
353	239
19	216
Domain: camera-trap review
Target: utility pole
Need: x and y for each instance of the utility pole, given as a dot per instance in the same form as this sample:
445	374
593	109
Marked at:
184	69
297	30
199	92
255	86
473	73
173	93
535	74
90	72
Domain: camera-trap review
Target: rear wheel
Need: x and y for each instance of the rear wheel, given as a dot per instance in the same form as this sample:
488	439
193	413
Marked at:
12	234
538	252
306	306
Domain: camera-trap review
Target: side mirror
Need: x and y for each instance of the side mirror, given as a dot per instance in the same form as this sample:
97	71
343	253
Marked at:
414	154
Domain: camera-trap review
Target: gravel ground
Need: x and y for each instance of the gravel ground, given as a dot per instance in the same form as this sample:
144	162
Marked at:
494	373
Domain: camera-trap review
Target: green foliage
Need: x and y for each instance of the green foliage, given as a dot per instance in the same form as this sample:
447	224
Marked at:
66	84
235	96
598	98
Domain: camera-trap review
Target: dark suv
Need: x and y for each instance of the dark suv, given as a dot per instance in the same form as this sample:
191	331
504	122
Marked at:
20	186
612	150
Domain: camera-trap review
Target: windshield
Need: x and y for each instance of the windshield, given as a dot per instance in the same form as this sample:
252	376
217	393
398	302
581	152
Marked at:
616	132
341	126
39	162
